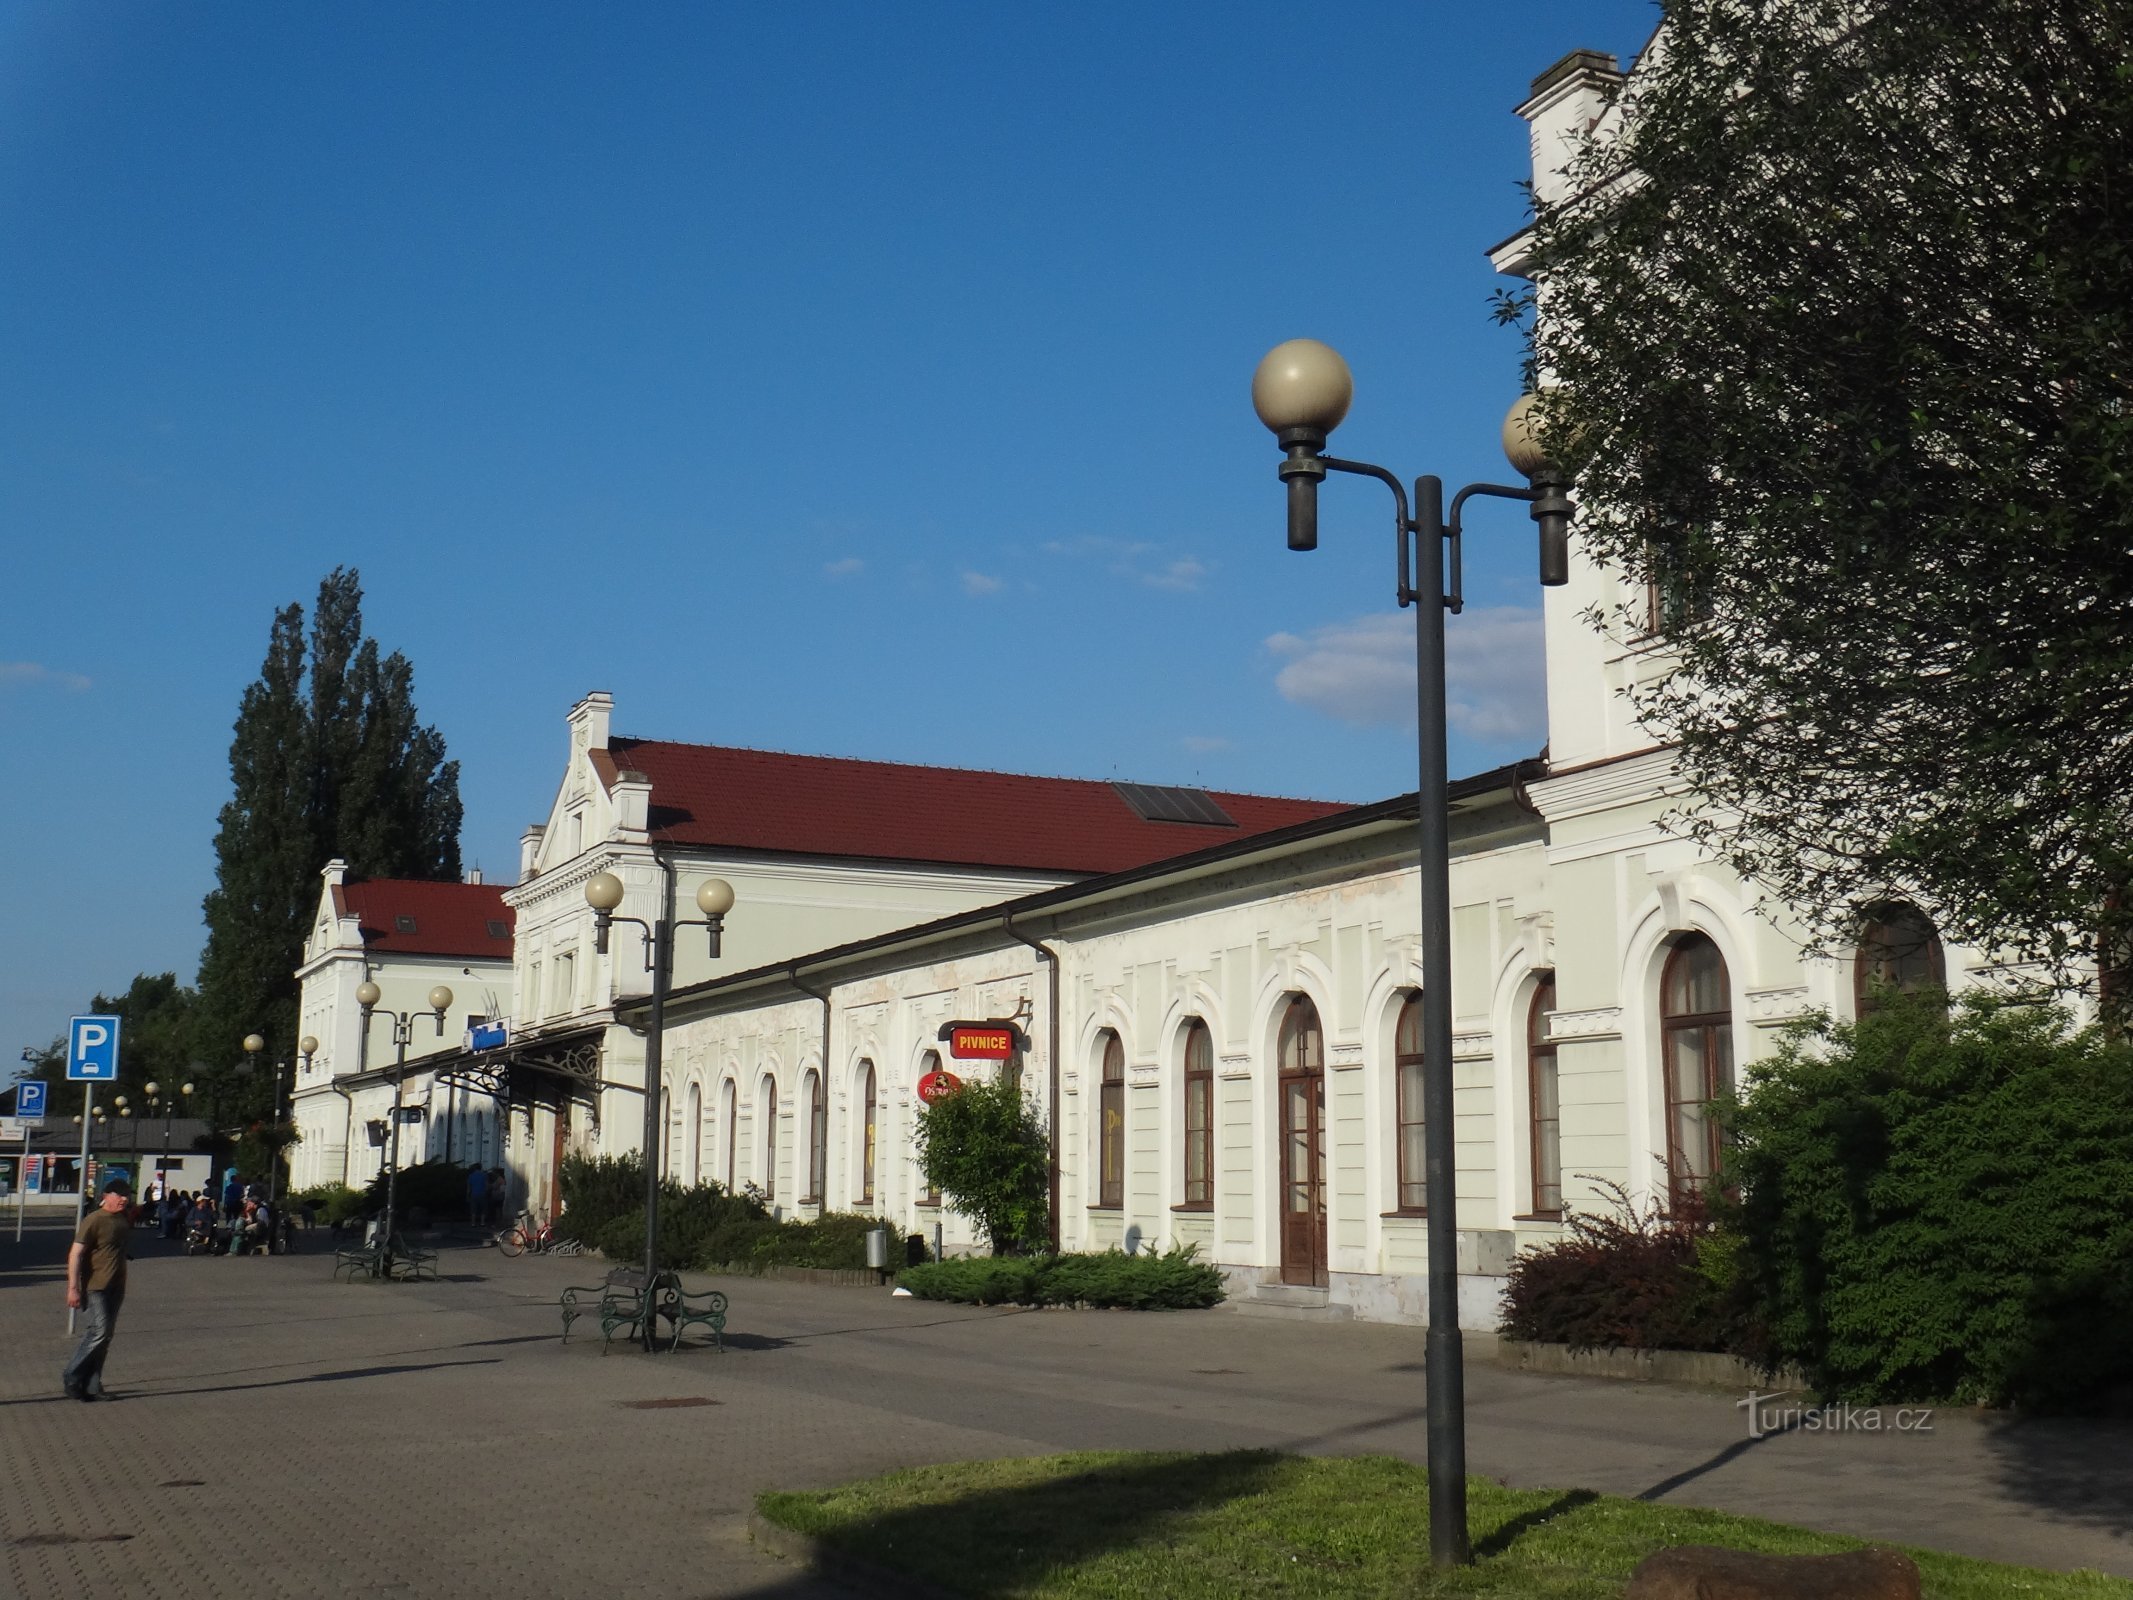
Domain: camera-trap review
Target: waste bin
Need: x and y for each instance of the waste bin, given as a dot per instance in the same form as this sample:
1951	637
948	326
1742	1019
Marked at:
878	1249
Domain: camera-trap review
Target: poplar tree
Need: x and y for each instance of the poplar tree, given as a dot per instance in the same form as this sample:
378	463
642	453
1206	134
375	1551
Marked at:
328	759
1835	314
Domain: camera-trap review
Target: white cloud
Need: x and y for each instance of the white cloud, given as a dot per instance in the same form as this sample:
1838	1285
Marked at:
980	583
1135	560
29	672
1183	574
1363	672
847	567
1203	744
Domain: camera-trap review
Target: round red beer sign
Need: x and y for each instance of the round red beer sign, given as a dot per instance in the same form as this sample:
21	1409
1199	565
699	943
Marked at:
938	1084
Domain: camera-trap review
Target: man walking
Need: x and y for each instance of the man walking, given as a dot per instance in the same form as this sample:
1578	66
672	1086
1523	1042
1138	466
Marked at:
96	1284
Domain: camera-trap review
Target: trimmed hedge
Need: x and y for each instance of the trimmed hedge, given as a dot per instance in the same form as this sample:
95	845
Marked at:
1176	1280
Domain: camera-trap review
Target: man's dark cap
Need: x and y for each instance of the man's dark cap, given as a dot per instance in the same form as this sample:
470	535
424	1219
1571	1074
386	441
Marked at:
119	1186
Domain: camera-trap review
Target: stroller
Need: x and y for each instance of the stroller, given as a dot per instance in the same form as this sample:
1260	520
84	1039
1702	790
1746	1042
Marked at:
201	1237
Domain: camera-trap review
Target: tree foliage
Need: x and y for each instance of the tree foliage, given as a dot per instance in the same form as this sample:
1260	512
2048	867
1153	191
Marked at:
1835	319
984	1148
328	759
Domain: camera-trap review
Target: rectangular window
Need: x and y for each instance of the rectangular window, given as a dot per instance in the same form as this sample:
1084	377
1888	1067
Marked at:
566	982
534	996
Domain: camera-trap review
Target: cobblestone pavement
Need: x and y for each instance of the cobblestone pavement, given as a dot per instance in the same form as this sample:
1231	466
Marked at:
274	1433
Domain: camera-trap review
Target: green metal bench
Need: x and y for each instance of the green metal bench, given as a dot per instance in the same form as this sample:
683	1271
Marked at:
707	1309
619	1301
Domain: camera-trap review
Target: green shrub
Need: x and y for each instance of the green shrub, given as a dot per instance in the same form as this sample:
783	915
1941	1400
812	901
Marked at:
598	1189
984	1147
1176	1280
1654	1279
438	1187
1937	1207
337	1203
698	1224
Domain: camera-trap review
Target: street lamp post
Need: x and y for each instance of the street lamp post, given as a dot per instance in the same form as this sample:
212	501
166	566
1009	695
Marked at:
253	1044
1301	391
367	996
167	1104
714	898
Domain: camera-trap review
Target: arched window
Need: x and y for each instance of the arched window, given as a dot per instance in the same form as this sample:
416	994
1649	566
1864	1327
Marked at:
817	1139
1301	1051
866	1148
1111	1125
770	1140
731	1119
930	1194
1899	953
694	1165
1544	1116
1696	1021
1199	1116
1412	1135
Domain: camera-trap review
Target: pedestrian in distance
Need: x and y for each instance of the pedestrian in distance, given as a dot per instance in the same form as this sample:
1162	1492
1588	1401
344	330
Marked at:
477	1194
232	1196
96	1286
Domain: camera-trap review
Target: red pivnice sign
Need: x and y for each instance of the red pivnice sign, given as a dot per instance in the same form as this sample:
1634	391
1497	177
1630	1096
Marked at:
970	1041
938	1084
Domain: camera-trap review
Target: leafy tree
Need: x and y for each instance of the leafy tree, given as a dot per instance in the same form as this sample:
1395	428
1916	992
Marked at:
1835	317
984	1148
156	1018
329	762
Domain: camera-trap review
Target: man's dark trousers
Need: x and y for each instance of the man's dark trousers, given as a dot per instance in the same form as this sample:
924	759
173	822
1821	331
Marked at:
85	1373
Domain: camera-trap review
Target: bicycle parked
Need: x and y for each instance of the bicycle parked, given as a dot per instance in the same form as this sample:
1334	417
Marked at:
540	1238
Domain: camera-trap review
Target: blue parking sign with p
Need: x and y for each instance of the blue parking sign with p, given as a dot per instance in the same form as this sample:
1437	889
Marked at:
93	1050
29	1098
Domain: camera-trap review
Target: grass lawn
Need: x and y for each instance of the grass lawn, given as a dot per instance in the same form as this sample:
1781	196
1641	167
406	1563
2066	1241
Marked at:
1123	1524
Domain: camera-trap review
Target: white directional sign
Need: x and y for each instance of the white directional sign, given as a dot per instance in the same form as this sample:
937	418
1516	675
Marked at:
93	1050
29	1099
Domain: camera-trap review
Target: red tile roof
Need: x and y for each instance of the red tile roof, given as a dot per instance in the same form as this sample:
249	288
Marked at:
450	919
717	797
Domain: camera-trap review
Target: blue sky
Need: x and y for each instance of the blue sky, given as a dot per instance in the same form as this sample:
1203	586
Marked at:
852	379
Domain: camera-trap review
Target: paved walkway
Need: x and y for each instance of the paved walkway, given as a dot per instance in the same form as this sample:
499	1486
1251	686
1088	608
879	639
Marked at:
277	1434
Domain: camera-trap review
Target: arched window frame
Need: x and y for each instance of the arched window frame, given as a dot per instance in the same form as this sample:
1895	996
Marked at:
1899	952
1198	1119
1410	1125
1111	1125
729	1093
1544	1105
817	1138
929	1192
1693	1136
695	1164
768	1100
868	1113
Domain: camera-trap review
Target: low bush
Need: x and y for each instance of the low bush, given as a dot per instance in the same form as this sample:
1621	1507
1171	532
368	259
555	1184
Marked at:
700	1226
1641	1279
438	1187
1940	1207
336	1202
1176	1280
